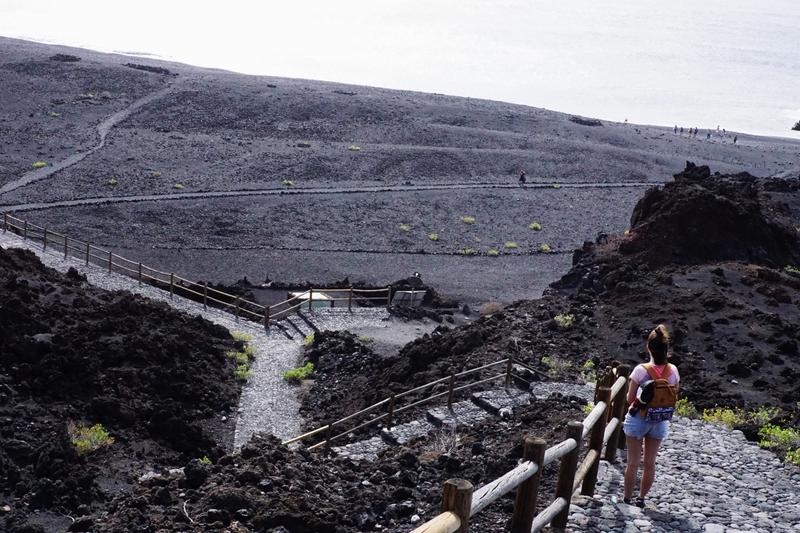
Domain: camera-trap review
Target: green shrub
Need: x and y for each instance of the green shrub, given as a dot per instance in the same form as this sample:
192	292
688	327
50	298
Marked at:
564	321
685	408
205	460
287	183
298	374
493	252
241	336
39	164
535	226
155	174
433	237
587	408
54	114
405	227
511	245
723	415
555	366
242	372
545	248
467	251
783	439
792	271
588	372
354	148
467	219
556	185
87	439
363	339
113	181
179	186
309	340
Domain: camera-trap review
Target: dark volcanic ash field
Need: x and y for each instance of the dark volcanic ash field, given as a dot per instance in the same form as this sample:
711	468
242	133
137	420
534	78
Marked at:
217	132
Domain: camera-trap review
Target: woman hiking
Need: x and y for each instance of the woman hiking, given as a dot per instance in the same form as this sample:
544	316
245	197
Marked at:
652	392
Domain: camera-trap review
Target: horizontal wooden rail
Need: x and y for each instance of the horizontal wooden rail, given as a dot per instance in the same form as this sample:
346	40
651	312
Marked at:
501	486
447	522
545	517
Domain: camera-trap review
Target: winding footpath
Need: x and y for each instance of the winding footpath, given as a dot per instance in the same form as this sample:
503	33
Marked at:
102	131
33	206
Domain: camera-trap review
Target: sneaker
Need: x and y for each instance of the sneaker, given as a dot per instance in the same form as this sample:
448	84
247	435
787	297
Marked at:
639	502
626	501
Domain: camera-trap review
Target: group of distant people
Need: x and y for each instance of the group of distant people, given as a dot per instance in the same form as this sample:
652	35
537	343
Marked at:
692	133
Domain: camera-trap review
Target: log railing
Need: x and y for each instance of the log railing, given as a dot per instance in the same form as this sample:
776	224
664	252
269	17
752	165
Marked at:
386	410
603	426
178	286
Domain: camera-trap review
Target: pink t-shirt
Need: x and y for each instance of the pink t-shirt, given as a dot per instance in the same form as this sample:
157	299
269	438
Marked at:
640	375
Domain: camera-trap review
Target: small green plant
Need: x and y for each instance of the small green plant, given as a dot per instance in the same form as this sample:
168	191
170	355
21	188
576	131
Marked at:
467	219
287	183
405	227
556	185
309	340
535	226
555	366
511	245
87	439
155	174
363	339
242	372
296	375
686	409
564	321
113	181
433	237
773	436
467	251
493	252
763	415
241	336
54	114
205	460
588	372
792	271
354	148
626	232
179	186
39	164
793	456
587	408
545	248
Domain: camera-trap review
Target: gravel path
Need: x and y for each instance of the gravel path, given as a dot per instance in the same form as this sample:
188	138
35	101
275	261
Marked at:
299	191
267	402
708	478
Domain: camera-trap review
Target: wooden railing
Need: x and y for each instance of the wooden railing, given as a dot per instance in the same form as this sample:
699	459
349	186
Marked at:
176	285
387	409
460	501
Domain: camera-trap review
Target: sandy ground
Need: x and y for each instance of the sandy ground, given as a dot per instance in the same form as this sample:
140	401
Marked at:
215	131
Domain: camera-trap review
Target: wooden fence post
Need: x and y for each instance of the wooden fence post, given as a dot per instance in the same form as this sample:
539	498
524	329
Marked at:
45	239
617	439
391	412
237	308
140	273
328	435
388	296
171	285
205	295
450	391
266	317
566	473
509	366
25	230
457	498
109	262
596	443
66	246
87	254
528	490
310	298
350	300
5	222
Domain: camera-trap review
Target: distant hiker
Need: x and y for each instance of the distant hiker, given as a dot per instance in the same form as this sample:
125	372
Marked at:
735	138
675	129
522	177
708	135
681	131
626	121
652	393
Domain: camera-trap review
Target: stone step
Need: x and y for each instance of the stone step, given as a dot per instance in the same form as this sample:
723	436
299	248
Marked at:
498	399
363	450
403	433
462	414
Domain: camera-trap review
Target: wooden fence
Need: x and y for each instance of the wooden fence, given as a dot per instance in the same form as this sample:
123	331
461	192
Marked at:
176	285
460	501
387	409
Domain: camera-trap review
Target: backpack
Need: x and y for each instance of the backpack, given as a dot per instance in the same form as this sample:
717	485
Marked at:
657	395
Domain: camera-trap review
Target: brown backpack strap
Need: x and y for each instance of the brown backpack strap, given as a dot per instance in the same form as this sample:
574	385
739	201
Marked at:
651	371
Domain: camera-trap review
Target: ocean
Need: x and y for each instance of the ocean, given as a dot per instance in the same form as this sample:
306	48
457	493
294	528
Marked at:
692	63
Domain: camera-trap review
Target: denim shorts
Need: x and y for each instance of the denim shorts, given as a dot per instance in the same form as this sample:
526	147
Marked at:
637	427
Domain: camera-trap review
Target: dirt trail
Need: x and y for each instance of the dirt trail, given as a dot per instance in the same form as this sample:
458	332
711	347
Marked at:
310	190
102	131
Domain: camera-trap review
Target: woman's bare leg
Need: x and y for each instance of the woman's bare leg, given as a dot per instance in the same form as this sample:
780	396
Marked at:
649	468
632	467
